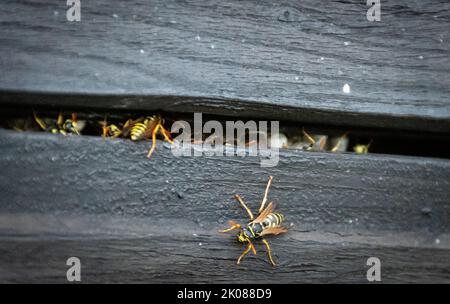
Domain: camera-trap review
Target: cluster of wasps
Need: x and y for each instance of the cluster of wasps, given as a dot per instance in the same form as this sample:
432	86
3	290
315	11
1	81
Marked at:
318	143
149	127
267	222
143	128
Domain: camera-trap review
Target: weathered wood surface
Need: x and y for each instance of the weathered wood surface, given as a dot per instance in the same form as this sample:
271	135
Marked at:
281	60
131	219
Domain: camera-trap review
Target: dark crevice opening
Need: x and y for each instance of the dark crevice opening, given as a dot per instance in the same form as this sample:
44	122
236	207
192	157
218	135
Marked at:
383	141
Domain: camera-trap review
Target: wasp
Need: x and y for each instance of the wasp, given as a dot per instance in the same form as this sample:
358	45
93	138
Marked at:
319	145
266	223
362	149
110	130
142	128
61	126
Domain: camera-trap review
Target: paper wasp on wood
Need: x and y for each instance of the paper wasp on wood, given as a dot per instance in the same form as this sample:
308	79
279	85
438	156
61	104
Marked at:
142	128
61	126
266	223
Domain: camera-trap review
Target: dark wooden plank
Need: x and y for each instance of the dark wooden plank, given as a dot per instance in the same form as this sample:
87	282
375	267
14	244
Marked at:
179	258
131	219
285	60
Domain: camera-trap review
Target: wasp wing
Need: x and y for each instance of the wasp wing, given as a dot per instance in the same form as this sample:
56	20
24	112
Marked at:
274	230
322	143
268	210
74	117
60	120
40	122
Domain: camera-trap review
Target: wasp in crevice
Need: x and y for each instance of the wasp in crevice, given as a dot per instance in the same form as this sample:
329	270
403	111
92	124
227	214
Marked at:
142	128
110	130
268	222
362	149
61	125
320	144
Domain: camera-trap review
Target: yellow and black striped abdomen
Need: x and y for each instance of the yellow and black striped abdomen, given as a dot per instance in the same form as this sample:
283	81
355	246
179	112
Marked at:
143	130
273	219
138	131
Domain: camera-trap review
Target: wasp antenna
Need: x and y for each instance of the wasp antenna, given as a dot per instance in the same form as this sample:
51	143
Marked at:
264	200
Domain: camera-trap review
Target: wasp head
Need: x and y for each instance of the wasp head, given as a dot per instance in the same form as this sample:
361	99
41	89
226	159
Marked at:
244	235
241	237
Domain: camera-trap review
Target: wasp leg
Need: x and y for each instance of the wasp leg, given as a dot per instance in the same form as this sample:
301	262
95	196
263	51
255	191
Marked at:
39	121
154	132
265	194
269	252
75	130
166	134
235	226
338	144
252	247
239	199
244	253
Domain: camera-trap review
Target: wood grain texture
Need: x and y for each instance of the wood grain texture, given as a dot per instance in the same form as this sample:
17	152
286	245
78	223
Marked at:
131	219
281	60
